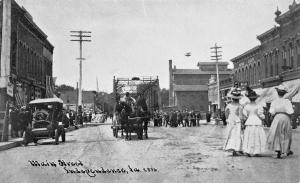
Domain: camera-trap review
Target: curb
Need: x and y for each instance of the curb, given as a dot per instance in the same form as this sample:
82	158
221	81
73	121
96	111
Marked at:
18	142
10	145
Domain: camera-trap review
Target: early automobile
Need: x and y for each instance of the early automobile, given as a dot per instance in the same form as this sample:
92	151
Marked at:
47	121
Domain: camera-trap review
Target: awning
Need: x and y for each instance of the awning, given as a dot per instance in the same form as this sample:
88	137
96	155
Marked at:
46	100
294	90
267	95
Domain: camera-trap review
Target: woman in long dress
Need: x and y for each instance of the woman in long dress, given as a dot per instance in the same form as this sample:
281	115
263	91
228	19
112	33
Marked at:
280	135
254	142
233	114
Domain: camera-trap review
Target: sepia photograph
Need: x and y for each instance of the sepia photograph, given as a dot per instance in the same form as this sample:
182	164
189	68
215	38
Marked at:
150	91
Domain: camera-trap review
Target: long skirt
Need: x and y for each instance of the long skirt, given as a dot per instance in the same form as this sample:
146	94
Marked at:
280	134
234	138
254	141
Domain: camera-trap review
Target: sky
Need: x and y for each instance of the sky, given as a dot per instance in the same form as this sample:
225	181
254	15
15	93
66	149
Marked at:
138	37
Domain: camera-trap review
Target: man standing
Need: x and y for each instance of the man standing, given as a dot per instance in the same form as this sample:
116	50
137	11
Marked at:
186	118
198	117
173	119
24	118
14	121
193	118
179	118
208	115
167	117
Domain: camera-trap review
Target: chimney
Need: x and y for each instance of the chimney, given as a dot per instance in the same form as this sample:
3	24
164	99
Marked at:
170	84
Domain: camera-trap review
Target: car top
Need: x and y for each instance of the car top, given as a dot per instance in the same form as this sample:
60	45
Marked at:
46	100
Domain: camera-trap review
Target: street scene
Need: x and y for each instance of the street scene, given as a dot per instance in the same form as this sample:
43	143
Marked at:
150	91
177	155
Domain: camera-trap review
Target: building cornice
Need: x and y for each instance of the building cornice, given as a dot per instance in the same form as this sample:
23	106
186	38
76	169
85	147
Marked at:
246	54
200	72
269	34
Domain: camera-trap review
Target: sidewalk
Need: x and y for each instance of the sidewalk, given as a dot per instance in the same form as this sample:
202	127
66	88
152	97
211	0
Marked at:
15	142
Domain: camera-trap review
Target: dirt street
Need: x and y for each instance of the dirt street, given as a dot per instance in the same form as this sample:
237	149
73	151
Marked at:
180	154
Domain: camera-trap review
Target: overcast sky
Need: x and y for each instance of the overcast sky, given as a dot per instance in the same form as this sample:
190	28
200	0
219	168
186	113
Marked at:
138	37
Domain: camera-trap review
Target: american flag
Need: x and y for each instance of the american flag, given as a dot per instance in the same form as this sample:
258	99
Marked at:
49	87
20	98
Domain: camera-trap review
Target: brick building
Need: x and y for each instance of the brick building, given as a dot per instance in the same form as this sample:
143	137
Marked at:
189	87
276	60
31	56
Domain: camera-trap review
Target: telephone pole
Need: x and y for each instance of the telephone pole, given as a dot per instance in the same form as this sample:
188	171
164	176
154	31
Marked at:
216	57
5	68
82	36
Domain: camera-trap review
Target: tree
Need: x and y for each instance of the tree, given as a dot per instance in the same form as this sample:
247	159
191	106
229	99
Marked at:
105	101
164	93
64	87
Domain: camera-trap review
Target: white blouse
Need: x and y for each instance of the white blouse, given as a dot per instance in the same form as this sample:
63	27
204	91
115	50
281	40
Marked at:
281	105
254	114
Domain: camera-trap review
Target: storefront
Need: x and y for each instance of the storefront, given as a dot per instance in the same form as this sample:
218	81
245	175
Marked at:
24	92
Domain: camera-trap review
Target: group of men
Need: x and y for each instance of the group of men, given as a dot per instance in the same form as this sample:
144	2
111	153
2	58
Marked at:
173	118
20	119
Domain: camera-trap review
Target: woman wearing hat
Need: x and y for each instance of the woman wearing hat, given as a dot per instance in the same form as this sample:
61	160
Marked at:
233	114
254	142
280	135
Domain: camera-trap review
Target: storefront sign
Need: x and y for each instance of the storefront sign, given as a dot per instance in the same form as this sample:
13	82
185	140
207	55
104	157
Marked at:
10	89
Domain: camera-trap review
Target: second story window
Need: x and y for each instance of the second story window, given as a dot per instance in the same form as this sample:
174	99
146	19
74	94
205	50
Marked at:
291	57
284	58
271	65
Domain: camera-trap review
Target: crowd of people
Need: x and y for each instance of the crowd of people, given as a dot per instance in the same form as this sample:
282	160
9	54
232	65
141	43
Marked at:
85	117
177	118
245	133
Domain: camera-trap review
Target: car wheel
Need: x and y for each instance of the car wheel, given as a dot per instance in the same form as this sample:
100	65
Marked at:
63	136
56	136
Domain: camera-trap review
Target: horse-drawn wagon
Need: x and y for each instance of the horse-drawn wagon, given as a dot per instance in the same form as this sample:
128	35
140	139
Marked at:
129	118
134	105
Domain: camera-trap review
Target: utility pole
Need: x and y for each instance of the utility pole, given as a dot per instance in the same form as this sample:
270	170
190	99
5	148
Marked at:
82	36
216	57
5	68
